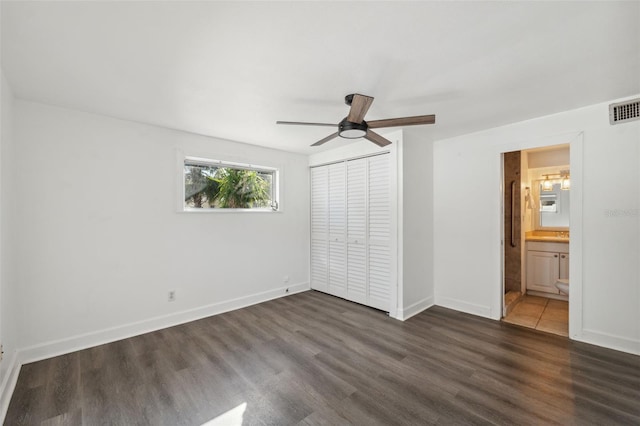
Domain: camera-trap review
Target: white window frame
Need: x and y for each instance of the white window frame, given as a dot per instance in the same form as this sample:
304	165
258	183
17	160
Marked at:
275	184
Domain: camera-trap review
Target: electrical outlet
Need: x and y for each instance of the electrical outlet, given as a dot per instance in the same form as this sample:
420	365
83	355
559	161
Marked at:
1	352
172	296
285	279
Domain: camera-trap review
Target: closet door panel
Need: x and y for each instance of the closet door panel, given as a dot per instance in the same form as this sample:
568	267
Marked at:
356	230
320	228
337	268
319	202
379	210
356	199
357	273
337	206
379	232
337	230
379	277
319	265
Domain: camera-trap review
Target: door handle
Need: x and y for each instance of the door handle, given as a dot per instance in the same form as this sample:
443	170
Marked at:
555	255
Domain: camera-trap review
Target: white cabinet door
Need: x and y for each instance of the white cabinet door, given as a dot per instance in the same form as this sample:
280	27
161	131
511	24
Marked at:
337	230
564	266
542	271
379	232
356	231
320	228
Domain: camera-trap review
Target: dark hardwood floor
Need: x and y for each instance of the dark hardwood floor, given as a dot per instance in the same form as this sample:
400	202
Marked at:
312	359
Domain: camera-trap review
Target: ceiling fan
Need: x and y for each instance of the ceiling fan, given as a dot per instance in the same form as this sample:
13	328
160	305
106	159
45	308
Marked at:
353	125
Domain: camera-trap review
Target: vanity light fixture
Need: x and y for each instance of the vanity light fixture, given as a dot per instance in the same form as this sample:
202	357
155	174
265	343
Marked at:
565	180
547	185
562	177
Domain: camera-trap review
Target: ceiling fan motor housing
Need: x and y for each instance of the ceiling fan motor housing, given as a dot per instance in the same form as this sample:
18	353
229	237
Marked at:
350	130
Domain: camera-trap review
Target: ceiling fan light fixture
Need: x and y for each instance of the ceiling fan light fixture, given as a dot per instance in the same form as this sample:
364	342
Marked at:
349	130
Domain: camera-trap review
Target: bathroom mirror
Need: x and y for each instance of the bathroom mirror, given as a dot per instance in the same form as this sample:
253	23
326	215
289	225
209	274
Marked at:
553	211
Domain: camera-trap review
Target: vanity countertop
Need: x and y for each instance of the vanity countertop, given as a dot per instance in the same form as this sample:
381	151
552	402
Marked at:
547	236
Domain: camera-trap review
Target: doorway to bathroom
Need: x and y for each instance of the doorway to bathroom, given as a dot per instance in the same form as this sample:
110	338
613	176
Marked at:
536	222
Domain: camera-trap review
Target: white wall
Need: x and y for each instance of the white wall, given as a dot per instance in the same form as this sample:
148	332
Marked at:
605	306
549	157
100	244
417	183
8	319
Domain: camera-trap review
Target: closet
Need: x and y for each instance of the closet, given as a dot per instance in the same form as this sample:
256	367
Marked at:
351	230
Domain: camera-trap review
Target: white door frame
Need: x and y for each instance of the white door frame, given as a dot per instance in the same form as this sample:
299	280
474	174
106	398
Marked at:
576	159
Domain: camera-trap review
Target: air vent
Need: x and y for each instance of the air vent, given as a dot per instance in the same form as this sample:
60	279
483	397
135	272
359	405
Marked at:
624	111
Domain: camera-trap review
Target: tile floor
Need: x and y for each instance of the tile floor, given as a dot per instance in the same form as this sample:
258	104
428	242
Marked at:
548	315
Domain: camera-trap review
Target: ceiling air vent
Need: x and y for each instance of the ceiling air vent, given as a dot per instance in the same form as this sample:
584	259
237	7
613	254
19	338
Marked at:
624	111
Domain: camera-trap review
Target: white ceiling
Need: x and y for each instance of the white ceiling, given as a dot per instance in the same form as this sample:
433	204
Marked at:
231	69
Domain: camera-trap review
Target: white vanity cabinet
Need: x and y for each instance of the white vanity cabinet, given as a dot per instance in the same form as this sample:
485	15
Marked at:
564	265
546	262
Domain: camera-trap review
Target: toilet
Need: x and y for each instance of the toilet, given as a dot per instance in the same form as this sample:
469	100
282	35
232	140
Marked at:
563	286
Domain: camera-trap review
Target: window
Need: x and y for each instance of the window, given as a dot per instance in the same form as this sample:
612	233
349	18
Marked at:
217	185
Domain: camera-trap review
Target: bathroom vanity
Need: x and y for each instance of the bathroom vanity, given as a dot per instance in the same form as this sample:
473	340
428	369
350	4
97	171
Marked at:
547	260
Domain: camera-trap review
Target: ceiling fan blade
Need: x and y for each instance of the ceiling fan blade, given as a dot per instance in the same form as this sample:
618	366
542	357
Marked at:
402	121
302	123
376	138
359	106
327	139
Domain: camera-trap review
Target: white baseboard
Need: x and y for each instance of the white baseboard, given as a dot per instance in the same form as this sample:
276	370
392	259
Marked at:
414	308
610	341
9	384
87	340
463	306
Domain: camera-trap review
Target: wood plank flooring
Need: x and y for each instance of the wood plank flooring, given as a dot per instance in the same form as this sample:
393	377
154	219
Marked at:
313	359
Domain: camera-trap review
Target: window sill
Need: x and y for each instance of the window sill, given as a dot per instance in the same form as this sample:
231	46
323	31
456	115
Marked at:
241	211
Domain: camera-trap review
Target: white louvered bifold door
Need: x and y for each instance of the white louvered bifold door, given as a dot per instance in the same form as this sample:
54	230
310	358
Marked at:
320	228
379	232
357	230
337	230
351	230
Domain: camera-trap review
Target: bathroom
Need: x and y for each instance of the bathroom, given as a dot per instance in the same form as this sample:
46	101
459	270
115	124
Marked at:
537	187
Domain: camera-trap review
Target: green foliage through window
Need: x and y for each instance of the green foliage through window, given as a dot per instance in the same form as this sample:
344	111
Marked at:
214	186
